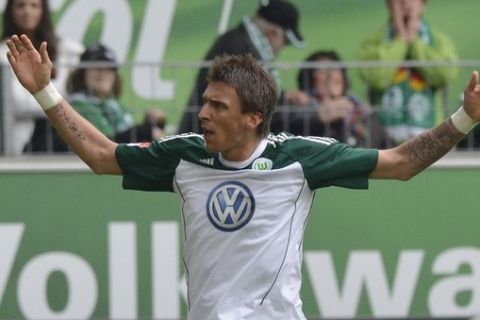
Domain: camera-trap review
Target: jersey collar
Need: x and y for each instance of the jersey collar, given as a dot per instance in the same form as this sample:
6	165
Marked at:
242	164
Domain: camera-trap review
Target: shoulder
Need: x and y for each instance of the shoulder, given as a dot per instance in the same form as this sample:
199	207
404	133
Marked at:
235	33
184	138
354	99
235	41
188	146
288	140
78	96
319	155
3	52
186	143
299	146
440	36
70	47
379	34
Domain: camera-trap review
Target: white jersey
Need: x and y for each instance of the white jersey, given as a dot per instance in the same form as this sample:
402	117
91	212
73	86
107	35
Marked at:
244	222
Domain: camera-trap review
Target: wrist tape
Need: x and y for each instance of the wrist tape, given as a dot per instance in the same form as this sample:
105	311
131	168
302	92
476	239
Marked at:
48	97
462	121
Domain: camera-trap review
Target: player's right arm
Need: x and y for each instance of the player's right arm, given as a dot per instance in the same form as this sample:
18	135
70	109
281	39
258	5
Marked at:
33	69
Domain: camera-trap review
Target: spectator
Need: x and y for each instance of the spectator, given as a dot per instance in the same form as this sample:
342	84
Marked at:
95	92
335	112
32	17
263	35
408	98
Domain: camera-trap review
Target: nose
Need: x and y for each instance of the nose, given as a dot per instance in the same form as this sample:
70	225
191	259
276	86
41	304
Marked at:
203	114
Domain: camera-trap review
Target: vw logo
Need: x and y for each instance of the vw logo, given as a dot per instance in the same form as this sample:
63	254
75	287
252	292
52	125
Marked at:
230	206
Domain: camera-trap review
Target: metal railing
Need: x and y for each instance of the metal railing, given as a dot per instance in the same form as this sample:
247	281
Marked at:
179	71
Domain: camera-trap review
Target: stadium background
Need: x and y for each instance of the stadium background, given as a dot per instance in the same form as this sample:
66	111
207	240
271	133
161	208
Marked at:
433	218
326	24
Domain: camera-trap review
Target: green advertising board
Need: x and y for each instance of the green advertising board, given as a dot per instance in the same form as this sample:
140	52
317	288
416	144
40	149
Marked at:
74	245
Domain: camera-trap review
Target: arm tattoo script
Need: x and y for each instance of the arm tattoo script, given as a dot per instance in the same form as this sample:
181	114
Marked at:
428	147
71	125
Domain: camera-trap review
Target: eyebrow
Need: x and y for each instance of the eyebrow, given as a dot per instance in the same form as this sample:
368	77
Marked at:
206	98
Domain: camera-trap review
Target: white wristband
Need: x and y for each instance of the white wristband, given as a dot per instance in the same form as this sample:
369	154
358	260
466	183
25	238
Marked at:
462	121
48	97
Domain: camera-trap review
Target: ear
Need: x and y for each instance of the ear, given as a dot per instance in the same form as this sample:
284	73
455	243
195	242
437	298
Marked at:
254	120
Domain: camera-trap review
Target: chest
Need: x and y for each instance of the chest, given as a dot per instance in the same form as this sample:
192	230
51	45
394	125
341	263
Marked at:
222	200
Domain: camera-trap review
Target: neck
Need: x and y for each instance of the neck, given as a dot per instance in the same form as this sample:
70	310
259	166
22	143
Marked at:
100	95
242	153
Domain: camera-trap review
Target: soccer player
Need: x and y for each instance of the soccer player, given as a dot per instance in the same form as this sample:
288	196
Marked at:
245	194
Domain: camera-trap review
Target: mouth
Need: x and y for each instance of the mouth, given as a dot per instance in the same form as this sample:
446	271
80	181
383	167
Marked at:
207	131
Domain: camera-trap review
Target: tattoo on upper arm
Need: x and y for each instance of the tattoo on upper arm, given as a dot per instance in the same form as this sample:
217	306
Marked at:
71	125
430	146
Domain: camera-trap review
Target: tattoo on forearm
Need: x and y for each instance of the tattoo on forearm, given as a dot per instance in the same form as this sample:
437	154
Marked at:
71	125
430	146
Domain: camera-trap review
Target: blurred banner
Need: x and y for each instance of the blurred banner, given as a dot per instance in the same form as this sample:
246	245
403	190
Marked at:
76	246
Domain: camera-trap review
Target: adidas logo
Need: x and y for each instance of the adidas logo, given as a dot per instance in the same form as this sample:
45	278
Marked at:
208	161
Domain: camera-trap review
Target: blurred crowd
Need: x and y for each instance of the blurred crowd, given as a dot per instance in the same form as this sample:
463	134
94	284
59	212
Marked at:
403	100
88	77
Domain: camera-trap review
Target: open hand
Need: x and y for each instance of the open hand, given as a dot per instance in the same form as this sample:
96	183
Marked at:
31	67
297	98
397	14
335	109
472	97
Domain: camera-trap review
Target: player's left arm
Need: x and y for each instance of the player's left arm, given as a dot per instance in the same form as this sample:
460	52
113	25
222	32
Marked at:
416	154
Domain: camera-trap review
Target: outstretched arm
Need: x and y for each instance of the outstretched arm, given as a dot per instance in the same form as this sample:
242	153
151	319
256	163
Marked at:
416	154
33	69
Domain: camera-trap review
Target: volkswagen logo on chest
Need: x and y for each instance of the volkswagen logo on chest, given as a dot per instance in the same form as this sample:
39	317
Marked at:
230	206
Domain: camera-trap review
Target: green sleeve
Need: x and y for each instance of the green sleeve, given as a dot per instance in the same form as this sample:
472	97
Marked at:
343	166
94	116
378	48
441	50
326	163
151	166
147	166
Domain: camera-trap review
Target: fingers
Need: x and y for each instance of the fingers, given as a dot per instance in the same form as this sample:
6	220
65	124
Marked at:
18	44
12	49
27	44
473	81
11	58
43	53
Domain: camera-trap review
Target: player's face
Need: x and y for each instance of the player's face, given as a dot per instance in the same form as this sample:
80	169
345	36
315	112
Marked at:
226	128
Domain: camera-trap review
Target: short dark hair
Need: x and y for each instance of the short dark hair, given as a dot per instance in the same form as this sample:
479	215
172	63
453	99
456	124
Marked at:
254	85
